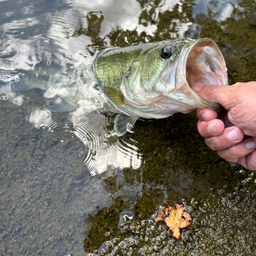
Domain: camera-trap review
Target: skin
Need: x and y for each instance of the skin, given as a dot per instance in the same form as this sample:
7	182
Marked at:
233	133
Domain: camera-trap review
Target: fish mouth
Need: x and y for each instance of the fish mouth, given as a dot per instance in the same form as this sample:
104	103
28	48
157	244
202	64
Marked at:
203	62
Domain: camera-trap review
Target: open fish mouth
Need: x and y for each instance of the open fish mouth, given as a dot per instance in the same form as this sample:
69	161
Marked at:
205	64
201	61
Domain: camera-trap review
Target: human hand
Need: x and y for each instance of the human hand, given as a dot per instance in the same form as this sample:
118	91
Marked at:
232	134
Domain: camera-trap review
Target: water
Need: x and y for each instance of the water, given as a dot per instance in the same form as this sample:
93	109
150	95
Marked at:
66	180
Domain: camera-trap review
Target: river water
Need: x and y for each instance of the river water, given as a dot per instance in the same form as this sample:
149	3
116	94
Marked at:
67	183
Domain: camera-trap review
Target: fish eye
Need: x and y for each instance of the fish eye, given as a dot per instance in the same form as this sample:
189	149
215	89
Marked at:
166	53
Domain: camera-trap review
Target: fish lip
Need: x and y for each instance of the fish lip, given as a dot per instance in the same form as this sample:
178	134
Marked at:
182	71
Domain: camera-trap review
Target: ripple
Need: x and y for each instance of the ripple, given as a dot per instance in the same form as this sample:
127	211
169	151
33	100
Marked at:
91	140
125	155
106	151
16	25
53	62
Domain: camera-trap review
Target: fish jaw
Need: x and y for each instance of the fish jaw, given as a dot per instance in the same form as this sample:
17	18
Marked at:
200	61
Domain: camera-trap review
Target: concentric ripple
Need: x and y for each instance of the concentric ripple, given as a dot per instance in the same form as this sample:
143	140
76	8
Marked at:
105	150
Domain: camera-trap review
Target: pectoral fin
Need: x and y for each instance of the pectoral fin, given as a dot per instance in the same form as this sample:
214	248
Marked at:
123	123
115	94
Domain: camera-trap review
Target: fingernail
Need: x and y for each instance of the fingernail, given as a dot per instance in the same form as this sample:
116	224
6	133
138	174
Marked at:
251	144
197	87
233	136
211	129
204	117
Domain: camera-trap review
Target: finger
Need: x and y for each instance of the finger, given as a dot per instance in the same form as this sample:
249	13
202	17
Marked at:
212	128
206	114
249	161
240	150
216	93
229	137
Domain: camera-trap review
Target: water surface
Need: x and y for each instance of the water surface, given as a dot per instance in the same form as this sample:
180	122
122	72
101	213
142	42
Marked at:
66	180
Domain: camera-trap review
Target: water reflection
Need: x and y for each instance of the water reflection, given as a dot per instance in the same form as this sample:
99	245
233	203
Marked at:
44	180
106	151
220	10
42	118
60	65
59	62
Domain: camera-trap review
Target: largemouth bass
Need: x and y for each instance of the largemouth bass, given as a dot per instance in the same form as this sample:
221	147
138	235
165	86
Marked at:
153	80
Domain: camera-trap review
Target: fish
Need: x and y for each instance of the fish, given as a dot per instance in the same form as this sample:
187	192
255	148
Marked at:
153	80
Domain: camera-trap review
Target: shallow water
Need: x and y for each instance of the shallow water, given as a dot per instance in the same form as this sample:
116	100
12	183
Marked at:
66	180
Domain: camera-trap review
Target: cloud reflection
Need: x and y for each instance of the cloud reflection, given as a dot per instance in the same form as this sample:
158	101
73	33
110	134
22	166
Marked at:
42	118
221	9
57	48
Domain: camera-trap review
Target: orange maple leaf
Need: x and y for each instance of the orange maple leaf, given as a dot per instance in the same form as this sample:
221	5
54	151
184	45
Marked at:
175	219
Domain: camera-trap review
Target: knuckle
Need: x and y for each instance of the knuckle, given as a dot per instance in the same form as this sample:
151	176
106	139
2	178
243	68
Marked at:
213	89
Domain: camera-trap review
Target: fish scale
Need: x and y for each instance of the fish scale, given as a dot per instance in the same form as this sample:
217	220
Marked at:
143	82
111	68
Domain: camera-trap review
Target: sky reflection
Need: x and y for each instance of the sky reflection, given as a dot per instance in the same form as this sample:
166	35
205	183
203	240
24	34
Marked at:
47	192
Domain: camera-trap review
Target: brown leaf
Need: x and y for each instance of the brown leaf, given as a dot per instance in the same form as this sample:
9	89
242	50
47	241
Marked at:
175	219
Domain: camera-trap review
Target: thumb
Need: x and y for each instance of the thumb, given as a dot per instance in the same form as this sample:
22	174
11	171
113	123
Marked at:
214	93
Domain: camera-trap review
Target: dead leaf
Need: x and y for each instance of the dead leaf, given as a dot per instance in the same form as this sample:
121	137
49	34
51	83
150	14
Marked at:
175	219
